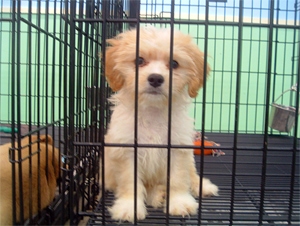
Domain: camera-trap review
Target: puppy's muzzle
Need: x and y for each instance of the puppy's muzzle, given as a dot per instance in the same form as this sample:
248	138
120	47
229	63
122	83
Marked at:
155	80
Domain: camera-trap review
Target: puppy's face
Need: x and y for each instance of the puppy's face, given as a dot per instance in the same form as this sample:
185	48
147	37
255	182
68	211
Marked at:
154	64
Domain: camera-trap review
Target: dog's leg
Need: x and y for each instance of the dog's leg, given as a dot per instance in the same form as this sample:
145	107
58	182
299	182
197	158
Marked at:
123	207
156	195
181	201
208	188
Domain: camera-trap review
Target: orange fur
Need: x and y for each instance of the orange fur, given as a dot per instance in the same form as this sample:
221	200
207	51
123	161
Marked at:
30	180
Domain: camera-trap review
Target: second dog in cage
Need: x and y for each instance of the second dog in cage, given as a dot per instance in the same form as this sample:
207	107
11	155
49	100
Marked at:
152	119
39	175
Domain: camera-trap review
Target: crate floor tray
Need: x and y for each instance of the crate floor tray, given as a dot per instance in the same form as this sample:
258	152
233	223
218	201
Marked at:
243	200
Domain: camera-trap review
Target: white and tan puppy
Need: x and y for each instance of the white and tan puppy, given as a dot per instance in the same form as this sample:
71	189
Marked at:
47	171
152	122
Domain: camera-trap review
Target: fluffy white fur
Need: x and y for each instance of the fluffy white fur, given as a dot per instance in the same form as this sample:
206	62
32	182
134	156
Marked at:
152	122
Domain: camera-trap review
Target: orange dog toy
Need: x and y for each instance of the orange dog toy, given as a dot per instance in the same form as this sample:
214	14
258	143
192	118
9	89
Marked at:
207	151
210	151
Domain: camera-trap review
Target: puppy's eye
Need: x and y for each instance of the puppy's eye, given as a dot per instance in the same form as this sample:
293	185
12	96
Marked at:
141	61
175	64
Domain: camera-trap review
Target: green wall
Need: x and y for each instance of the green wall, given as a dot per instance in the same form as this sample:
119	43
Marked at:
47	83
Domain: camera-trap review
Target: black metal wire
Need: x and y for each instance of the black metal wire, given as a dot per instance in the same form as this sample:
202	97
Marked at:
13	110
78	120
102	112
30	104
265	149
187	22
38	90
237	102
46	69
205	72
64	61
169	134
295	141
71	108
17	99
136	107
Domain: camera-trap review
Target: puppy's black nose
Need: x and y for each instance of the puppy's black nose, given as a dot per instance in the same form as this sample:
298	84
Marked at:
155	80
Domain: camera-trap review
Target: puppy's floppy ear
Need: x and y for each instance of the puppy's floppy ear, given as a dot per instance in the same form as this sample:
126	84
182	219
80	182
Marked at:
196	81
113	76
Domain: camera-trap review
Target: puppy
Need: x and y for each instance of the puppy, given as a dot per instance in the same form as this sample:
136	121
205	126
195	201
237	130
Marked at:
152	122
30	184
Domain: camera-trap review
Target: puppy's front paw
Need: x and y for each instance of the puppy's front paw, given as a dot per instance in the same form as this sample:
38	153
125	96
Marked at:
156	196
123	210
209	189
183	204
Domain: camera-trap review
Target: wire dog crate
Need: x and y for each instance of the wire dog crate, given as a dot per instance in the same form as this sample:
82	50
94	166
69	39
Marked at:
52	83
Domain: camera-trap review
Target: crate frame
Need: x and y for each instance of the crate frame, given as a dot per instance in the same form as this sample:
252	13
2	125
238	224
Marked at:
81	137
